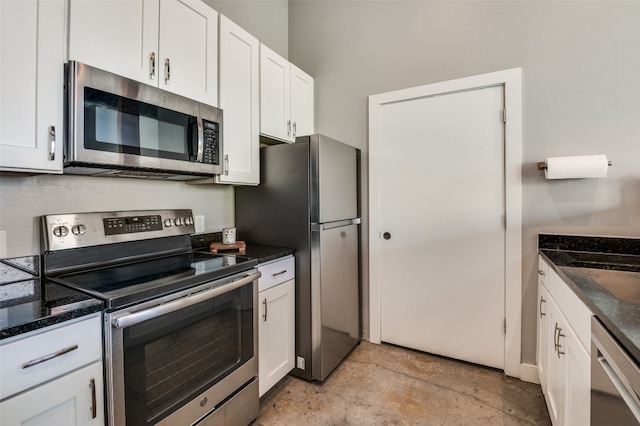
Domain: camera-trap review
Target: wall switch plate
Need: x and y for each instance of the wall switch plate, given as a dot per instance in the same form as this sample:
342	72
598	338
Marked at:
300	362
199	223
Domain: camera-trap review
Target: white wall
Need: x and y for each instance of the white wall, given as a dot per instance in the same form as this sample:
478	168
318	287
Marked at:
267	20
24	199
581	93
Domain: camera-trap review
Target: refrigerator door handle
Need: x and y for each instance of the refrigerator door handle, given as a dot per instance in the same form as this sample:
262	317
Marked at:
336	224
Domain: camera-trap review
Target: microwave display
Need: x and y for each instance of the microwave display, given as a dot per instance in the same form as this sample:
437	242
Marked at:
117	124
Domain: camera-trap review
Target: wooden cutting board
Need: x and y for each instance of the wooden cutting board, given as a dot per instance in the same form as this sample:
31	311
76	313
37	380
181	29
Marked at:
239	247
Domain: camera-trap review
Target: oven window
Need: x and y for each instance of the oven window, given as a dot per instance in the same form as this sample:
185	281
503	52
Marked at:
171	359
117	124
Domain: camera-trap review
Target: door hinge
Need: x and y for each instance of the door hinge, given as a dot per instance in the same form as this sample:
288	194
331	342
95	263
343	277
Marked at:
505	221
504	115
505	326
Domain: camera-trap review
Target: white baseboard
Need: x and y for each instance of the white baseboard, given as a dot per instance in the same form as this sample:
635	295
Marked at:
529	373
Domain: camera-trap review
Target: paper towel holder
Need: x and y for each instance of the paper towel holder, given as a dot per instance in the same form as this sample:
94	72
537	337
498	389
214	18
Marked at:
542	165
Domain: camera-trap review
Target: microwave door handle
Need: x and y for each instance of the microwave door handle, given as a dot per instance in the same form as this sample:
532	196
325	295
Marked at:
200	150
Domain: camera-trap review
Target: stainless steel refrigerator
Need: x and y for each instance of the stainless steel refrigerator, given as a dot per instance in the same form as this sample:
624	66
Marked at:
308	200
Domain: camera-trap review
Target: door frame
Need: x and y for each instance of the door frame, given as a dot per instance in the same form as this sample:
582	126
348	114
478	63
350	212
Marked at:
511	80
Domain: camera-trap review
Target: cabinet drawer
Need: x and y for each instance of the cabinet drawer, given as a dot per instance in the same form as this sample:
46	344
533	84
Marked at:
276	272
543	272
19	366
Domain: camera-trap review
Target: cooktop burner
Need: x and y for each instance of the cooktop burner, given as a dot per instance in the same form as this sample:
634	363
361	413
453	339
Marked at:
139	281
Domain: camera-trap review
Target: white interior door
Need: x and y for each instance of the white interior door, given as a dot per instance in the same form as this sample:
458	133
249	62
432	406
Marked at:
442	203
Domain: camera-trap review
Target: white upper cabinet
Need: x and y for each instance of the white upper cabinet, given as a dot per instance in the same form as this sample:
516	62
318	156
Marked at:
301	102
31	83
239	99
171	44
286	98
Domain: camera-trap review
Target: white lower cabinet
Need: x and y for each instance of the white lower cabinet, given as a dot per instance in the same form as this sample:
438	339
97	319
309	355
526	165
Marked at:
53	376
74	399
276	323
564	363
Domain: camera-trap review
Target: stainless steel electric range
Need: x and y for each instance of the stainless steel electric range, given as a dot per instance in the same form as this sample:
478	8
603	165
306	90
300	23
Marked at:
180	326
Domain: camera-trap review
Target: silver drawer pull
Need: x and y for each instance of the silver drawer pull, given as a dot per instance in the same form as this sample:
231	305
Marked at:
94	401
279	273
50	356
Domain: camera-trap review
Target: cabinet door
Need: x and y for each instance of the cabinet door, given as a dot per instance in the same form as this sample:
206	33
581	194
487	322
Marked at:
74	399
31	82
275	95
301	102
578	407
189	50
276	334
544	338
239	99
116	36
558	364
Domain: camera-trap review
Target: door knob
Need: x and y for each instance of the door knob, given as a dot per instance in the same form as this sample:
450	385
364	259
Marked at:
386	236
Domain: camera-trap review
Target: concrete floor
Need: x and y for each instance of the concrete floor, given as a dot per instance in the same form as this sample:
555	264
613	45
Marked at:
389	385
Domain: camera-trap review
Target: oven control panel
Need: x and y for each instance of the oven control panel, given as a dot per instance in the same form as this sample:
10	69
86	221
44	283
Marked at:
65	231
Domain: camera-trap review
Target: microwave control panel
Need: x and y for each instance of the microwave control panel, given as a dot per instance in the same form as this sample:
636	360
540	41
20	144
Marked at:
210	139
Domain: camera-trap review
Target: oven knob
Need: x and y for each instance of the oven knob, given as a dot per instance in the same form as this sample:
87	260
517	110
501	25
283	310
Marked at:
60	231
167	223
178	221
188	220
78	229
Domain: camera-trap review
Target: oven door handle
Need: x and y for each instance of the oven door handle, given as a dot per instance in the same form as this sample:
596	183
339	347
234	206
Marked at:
138	317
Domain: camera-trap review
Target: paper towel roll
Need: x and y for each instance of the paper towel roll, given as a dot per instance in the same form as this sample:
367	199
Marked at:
584	166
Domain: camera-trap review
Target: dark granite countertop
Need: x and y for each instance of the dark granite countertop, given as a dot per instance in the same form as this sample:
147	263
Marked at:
28	303
253	251
604	273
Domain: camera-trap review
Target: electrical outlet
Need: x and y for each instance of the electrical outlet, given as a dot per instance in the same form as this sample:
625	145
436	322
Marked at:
199	222
300	362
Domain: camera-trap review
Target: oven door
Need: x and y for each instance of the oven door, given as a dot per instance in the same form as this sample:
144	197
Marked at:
175	359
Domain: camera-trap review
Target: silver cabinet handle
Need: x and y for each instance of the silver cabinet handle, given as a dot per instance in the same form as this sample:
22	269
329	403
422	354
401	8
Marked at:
284	271
50	356
94	402
141	316
264	302
294	129
152	65
540	272
541	302
288	127
167	71
226	165
52	143
558	334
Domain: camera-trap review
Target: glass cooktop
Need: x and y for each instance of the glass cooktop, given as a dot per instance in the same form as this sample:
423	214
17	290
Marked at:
136	282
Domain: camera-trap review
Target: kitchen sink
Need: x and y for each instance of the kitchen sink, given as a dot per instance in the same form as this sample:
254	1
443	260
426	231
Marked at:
625	285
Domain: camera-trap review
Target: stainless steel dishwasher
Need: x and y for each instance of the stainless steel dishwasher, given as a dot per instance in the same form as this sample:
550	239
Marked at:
615	381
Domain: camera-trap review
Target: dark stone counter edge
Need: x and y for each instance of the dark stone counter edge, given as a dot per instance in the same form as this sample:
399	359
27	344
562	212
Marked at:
579	290
49	320
592	244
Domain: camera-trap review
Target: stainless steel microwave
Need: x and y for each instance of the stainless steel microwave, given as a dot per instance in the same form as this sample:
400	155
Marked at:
120	127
